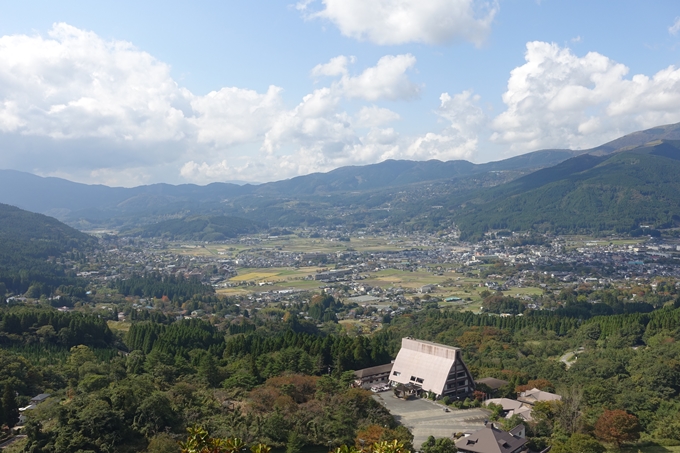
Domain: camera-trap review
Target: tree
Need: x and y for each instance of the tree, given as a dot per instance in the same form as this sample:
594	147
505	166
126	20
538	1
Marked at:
541	384
207	369
294	442
2	414
441	445
580	443
617	427
163	443
568	410
10	406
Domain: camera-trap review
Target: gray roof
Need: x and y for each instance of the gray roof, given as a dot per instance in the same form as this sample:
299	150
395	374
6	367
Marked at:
430	362
490	440
535	395
41	397
380	369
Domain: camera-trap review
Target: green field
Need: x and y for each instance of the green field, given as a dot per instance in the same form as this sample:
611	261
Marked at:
294	244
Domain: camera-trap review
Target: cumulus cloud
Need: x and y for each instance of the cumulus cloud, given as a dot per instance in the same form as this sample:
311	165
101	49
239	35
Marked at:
74	99
74	104
386	80
389	22
460	138
74	85
374	116
557	99
335	67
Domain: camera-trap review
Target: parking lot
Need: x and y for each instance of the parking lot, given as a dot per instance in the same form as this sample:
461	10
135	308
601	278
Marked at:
426	418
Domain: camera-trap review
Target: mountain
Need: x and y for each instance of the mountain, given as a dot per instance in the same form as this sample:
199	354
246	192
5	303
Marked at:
588	193
370	191
29	244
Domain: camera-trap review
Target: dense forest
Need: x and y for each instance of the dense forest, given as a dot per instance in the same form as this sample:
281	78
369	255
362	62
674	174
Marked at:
32	250
287	383
584	194
199	228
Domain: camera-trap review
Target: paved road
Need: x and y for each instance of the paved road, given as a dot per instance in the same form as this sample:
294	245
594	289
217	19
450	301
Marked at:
567	359
425	418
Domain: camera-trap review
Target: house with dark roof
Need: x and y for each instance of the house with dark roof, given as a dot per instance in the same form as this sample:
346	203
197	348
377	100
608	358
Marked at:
494	440
369	377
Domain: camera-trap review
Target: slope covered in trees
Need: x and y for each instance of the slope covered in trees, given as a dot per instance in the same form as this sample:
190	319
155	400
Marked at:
30	244
199	228
585	194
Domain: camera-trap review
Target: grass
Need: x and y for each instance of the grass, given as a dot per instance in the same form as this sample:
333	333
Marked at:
16	447
121	326
649	449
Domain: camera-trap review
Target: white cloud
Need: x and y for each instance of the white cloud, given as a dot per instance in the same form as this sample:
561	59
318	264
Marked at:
75	85
459	140
389	22
386	80
73	100
77	106
374	116
335	67
557	99
675	28
234	115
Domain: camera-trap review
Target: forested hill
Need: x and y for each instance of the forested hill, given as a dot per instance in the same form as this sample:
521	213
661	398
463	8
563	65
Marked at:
199	228
587	193
27	241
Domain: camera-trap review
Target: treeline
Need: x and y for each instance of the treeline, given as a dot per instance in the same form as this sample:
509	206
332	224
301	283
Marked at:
27	325
159	286
323	351
175	339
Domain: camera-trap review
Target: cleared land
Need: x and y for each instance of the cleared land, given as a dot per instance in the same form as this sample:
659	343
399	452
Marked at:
426	418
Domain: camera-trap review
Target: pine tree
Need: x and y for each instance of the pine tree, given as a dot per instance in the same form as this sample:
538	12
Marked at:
2	414
10	407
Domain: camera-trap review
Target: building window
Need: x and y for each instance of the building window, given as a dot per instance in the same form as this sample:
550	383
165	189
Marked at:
419	380
396	373
413	378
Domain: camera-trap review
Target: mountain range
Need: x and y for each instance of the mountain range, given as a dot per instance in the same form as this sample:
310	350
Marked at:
555	189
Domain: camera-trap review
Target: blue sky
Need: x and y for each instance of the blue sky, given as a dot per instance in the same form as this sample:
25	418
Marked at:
127	93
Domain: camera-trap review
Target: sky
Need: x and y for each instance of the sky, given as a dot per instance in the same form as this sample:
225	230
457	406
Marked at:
127	93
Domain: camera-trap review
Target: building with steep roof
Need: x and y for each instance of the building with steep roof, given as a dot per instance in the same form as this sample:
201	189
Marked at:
432	367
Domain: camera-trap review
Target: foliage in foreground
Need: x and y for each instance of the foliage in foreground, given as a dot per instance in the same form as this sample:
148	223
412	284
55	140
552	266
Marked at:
199	441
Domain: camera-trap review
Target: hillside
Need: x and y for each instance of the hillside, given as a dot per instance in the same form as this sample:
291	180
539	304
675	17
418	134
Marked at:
199	228
615	192
28	241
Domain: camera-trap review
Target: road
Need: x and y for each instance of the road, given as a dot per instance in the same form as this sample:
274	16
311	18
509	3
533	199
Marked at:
10	441
566	359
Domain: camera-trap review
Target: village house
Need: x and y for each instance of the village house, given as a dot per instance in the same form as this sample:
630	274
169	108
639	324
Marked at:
494	440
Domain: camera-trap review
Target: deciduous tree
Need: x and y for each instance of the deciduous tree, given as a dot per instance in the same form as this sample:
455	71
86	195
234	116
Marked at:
617	427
